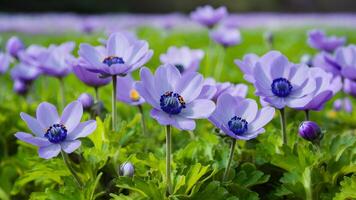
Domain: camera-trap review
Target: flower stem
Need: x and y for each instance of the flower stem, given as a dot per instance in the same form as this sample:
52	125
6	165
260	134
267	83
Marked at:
220	65
168	159
231	156
143	123
96	94
62	92
113	103
67	163
307	115
283	126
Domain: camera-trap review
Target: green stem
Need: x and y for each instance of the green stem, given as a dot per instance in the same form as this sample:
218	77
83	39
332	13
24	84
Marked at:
113	103
231	156
307	115
143	123
220	65
283	125
168	159
96	94
95	185
67	163
208	58
62	92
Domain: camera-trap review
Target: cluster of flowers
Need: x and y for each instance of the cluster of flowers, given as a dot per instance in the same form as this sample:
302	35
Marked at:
177	92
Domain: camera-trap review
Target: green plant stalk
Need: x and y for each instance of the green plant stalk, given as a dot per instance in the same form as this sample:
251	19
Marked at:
68	165
168	159
283	125
231	156
96	94
143	122
307	115
220	65
62	93
113	103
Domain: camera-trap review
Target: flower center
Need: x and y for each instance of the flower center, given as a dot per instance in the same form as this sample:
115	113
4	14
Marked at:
237	125
281	87
111	60
134	95
56	133
172	103
180	67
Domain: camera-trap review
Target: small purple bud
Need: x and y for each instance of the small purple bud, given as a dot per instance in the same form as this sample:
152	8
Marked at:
347	105
20	87
310	131
14	45
338	104
127	169
86	100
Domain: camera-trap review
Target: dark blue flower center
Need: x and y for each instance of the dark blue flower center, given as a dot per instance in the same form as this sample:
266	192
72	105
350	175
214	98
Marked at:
180	67
172	103
111	60
237	125
56	133
281	87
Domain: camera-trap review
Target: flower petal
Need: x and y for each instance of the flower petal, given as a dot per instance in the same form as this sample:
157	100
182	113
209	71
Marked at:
162	117
82	130
47	114
264	116
50	151
184	123
190	86
28	138
197	109
247	109
33	124
72	114
70	145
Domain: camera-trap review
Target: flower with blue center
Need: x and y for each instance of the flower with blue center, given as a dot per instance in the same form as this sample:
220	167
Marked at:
184	58
240	118
52	133
317	39
174	97
126	91
121	56
208	16
281	83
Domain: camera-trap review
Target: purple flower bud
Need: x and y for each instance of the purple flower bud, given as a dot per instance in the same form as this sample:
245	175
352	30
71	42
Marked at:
310	131
20	87
127	169
338	104
14	45
86	100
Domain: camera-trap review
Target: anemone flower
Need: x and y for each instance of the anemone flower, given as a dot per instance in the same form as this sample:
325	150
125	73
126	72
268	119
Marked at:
208	16
317	39
184	58
239	119
127	93
25	72
175	102
326	87
5	61
14	45
246	65
120	57
33	55
20	87
343	104
54	134
283	84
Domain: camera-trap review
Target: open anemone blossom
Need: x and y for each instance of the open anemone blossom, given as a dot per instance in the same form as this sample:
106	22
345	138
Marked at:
120	57
283	84
236	90
53	134
239	119
317	39
184	58
174	97
208	16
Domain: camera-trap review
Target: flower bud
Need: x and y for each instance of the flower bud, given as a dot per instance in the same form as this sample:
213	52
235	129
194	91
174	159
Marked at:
20	87
127	169
338	104
14	45
86	100
310	131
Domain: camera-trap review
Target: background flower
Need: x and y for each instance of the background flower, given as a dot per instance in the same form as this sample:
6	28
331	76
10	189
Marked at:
14	45
318	40
126	91
226	36
208	16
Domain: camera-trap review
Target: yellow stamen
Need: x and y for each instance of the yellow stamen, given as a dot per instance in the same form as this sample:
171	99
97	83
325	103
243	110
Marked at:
134	95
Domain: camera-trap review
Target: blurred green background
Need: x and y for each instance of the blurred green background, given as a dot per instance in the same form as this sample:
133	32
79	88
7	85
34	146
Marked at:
165	6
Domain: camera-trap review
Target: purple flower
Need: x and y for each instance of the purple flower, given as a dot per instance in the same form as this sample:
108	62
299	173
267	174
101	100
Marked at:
246	65
14	45
5	61
235	90
57	62
281	83
53	133
34	55
208	16
174	97
318	40
306	59
20	87
121	55
345	104
349	87
127	169
240	118
126	91
310	131
326	87
226	36
25	73
89	78
86	100
184	58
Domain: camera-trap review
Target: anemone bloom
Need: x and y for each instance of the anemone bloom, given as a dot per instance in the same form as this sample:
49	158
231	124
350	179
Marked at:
24	72
239	119
226	36
236	90
247	65
175	102
5	61
184	58
126	91
318	40
14	45
208	16
33	55
343	104
53	133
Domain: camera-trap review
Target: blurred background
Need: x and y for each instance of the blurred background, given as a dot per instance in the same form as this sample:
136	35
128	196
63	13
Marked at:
168	6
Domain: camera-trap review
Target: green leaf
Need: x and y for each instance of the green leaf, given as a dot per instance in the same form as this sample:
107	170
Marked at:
348	189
